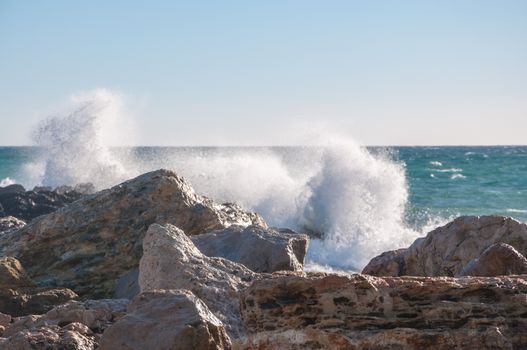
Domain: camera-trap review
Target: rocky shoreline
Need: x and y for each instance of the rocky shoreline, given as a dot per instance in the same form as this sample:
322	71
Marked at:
150	264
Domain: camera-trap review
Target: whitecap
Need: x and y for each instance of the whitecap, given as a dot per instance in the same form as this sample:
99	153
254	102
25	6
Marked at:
7	181
457	176
436	163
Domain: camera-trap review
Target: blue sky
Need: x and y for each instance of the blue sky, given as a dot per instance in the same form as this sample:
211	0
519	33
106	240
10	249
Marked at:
265	72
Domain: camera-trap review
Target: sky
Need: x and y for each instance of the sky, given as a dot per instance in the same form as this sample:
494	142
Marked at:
270	72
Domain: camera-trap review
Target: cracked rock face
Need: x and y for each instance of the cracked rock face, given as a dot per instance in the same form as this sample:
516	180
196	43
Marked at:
166	320
320	311
447	250
88	245
259	249
171	261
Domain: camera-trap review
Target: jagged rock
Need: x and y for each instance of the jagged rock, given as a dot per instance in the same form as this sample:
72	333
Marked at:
446	250
88	245
497	260
260	249
49	338
10	189
166	320
29	205
319	311
96	315
12	274
10	223
171	261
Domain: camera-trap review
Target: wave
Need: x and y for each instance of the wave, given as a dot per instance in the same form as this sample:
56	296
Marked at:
457	176
73	146
451	170
516	210
436	163
7	181
353	199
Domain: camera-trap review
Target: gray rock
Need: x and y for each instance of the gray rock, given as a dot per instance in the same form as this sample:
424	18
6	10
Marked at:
15	188
171	261
260	249
497	260
127	286
166	320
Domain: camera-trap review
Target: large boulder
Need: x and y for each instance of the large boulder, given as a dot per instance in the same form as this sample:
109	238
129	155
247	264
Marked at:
88	245
260	249
18	294
497	260
171	261
319	311
10	223
166	320
448	249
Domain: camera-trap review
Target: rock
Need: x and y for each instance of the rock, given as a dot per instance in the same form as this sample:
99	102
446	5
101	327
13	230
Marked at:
166	320
29	205
19	296
48	338
95	315
497	260
10	223
10	189
171	261
88	245
5	320
447	250
12	275
127	286
390	263
320	311
259	249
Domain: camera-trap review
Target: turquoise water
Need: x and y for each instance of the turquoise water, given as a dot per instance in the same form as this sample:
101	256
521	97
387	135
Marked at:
442	181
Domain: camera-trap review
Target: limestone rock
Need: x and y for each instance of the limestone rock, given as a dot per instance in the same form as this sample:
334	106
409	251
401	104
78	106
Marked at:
166	320
497	260
49	338
319	311
259	249
19	296
446	250
88	245
12	275
171	261
10	223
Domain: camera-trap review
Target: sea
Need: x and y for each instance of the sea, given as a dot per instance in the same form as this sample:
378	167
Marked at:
360	200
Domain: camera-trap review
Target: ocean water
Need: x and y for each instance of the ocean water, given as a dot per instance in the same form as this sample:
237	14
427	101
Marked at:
361	200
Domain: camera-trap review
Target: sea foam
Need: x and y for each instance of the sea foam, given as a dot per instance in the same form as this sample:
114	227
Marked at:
353	199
